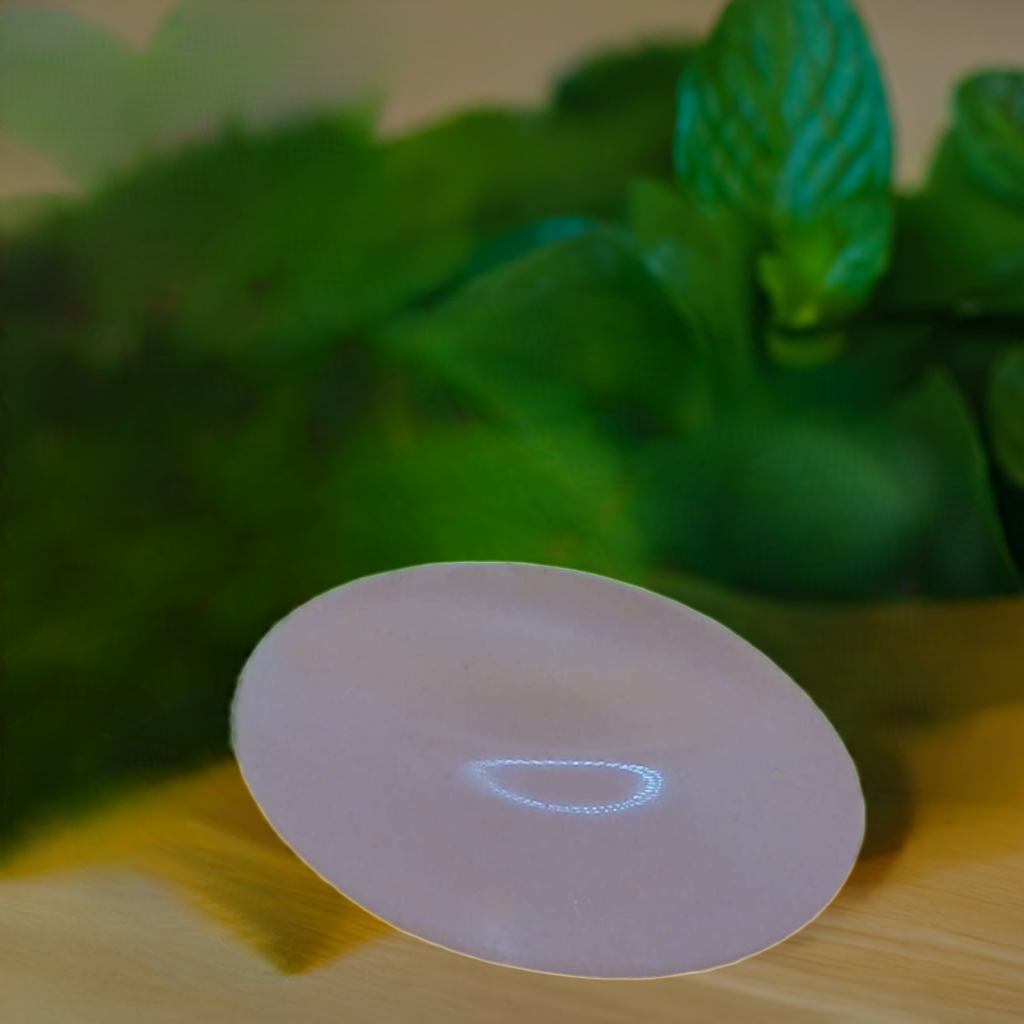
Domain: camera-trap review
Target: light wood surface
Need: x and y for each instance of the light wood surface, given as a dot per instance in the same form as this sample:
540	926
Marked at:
932	933
181	904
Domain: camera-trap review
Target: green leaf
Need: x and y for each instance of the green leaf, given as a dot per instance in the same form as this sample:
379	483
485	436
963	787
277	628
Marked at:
989	131
701	256
783	117
812	506
795	508
931	440
959	243
574	331
956	250
519	241
1005	408
879	363
453	493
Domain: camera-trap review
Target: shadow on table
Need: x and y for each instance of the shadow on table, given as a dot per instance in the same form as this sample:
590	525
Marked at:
206	836
883	674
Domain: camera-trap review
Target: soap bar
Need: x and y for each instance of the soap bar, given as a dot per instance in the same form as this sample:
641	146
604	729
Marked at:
547	769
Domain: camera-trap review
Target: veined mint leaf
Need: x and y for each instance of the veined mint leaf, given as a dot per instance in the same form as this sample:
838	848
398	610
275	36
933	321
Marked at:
782	116
1006	413
989	131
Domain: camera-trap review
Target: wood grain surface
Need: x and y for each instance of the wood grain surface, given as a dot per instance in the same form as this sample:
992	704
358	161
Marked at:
180	904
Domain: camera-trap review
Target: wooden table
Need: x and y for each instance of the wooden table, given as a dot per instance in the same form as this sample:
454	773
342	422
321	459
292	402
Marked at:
182	905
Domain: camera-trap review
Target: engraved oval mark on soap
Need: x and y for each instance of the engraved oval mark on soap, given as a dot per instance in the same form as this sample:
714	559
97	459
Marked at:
492	775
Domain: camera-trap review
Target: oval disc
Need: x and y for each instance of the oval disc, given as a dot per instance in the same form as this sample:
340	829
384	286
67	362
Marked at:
547	769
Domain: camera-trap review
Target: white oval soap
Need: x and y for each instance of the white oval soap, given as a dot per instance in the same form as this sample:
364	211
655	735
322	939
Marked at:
547	769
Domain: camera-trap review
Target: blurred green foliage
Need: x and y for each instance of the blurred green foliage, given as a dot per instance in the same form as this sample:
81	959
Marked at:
200	434
1006	413
989	132
575	332
960	240
894	501
240	375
